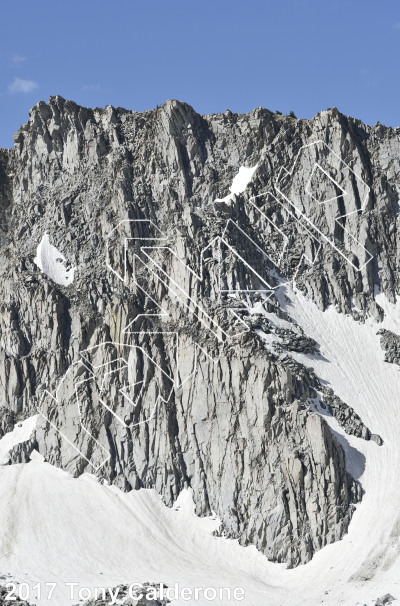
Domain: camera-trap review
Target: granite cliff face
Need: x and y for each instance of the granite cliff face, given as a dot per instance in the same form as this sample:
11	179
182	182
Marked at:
204	402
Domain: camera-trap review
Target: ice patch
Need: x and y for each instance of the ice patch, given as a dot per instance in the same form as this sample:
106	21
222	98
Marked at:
51	262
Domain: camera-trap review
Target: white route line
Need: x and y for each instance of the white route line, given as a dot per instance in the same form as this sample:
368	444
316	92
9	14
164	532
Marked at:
161	237
163	313
184	297
317	165
198	311
290	173
289	212
223	240
176	289
90	367
61	433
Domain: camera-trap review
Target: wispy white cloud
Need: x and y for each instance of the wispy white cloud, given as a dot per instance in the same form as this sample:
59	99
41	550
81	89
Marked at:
22	86
17	59
397	25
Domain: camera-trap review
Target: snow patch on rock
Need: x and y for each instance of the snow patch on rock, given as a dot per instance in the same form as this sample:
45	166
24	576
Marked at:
51	262
240	182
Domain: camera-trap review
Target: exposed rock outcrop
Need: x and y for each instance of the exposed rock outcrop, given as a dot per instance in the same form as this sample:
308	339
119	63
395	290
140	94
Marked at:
390	343
237	428
14	599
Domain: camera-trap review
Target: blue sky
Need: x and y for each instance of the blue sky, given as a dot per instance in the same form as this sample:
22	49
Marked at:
289	55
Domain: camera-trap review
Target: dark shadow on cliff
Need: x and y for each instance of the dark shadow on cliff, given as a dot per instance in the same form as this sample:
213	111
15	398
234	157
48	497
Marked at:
355	460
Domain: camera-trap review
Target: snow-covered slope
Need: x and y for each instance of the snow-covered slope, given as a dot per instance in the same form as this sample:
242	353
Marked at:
365	563
81	530
89	178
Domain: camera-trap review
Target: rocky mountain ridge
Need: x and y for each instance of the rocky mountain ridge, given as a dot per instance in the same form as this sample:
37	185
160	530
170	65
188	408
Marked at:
241	428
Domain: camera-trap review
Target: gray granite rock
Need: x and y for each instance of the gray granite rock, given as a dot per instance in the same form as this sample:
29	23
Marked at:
385	600
240	433
390	343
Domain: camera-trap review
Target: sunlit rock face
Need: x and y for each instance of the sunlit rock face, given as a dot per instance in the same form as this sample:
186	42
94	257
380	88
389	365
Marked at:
103	212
